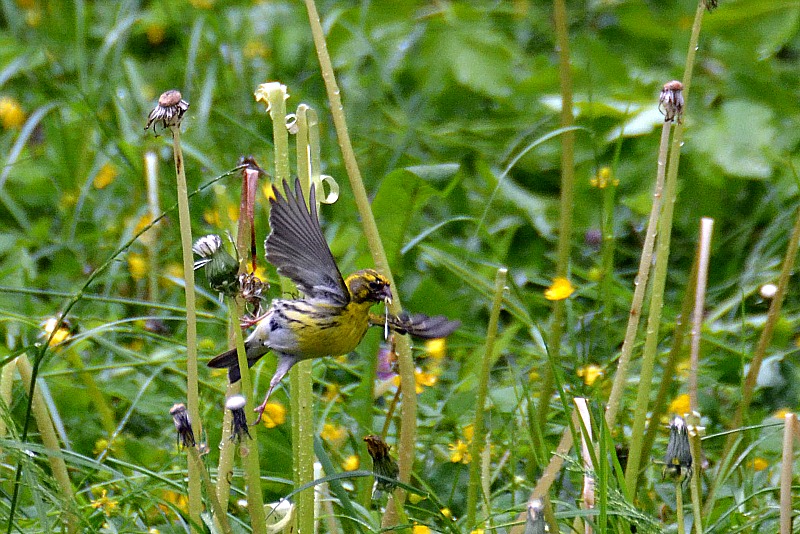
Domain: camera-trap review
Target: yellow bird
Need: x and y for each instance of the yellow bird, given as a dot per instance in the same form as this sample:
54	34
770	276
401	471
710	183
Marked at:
333	315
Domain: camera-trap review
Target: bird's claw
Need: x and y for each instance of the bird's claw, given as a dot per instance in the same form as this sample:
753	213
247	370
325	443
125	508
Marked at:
250	320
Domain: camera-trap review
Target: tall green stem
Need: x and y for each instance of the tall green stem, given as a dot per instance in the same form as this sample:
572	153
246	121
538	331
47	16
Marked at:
408	416
480	401
640	284
660	271
192	391
567	201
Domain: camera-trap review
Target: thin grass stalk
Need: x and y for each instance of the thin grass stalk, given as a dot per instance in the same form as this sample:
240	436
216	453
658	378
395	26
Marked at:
408	428
679	507
192	390
220	515
50	440
567	201
104	411
588	493
660	270
227	450
695	484
678	338
480	399
153	209
640	283
249	450
301	380
790	422
607	250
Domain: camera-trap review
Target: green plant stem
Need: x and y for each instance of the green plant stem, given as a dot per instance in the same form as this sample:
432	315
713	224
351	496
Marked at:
679	507
104	411
480	400
607	252
192	390
408	429
567	202
227	449
640	284
301	383
790	422
249	450
220	515
660	272
152	242
706	227
50	441
697	462
6	386
667	377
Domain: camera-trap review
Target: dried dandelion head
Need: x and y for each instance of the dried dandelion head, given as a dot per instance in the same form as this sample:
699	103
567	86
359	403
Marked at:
169	111
670	103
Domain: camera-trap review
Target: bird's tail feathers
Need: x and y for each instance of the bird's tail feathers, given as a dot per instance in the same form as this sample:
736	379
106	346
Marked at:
230	360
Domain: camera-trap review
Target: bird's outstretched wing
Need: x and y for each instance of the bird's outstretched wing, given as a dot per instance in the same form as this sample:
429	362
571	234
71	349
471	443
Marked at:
297	248
418	325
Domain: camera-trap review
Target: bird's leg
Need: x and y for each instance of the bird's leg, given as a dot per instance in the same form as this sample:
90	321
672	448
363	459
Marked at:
248	321
285	362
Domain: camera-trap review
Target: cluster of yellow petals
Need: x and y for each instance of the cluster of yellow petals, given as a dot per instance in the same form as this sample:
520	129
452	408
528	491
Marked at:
590	373
105	176
11	114
105	503
603	179
680	405
351	463
333	433
560	289
274	414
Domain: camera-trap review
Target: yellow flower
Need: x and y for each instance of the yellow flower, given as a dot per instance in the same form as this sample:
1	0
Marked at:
211	217
274	414
680	405
333	433
233	212
108	505
351	463
477	531
420	529
179	500
436	348
468	432
447	513
415	498
759	464
331	393
144	220
421	378
603	179
459	452
105	176
782	413
561	289
533	376
11	114
137	265
590	373
155	33
62	334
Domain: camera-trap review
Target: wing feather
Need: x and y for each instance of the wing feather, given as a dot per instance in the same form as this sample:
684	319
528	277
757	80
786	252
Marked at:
297	248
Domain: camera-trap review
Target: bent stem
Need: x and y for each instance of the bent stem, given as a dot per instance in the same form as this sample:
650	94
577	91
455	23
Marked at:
192	395
480	401
408	416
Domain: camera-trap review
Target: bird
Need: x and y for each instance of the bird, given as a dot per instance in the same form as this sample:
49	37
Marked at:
333	314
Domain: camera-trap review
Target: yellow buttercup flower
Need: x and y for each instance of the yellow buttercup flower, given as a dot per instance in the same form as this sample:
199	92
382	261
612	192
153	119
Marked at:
680	405
351	463
333	433
590	373
560	289
421	378
105	176
603	179
137	265
759	464
274	414
105	503
459	452
11	114
468	431
332	393
436	348
447	513
62	334
420	529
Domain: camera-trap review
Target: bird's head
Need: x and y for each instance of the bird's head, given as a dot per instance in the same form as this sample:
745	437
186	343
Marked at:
368	285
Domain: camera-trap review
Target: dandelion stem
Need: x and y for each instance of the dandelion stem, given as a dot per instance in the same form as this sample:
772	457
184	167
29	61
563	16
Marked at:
790	422
679	506
408	427
706	227
480	400
192	394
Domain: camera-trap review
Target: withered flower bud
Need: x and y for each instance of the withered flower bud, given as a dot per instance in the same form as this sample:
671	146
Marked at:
670	103
239	422
384	467
251	288
222	270
678	460
182	425
535	523
169	111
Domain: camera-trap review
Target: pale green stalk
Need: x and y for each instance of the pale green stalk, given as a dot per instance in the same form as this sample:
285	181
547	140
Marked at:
639	284
706	227
104	411
695	483
192	395
660	273
302	394
50	441
6	385
566	205
787	460
480	399
227	449
152	242
248	450
220	515
408	429
679	506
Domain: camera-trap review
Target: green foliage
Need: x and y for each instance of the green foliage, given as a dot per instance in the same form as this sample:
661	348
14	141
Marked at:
453	111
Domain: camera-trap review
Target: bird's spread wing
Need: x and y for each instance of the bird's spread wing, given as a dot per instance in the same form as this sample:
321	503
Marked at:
297	248
418	325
